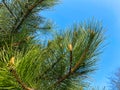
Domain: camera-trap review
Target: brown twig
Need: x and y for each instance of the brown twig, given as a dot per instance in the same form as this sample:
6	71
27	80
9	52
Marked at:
16	76
72	69
25	15
14	73
83	56
52	66
70	61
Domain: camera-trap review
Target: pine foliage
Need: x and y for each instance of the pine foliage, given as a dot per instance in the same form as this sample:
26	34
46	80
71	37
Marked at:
63	63
115	80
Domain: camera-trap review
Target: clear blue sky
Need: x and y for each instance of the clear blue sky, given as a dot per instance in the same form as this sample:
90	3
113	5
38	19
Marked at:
108	11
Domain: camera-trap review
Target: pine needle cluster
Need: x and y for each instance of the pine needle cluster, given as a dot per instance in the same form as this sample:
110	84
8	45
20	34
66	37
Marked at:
63	63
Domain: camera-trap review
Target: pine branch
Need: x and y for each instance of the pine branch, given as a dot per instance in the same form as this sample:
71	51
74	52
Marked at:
14	73
16	76
83	56
80	60
9	9
25	15
72	69
51	67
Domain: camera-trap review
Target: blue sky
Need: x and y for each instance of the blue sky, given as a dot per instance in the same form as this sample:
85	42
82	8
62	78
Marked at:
107	11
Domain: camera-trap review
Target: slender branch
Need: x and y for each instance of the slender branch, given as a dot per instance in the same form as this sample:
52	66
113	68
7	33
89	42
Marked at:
21	41
70	61
16	76
51	67
83	56
13	71
72	69
8	9
26	14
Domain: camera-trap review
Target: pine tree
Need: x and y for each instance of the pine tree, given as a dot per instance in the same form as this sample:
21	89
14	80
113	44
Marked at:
115	80
62	63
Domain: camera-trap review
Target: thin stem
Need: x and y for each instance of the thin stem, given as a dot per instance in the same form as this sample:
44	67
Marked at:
70	61
14	73
8	9
25	16
52	66
82	58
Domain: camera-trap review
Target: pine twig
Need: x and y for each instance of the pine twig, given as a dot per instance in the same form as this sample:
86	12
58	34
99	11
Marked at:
51	67
72	69
14	73
26	14
83	56
9	9
16	76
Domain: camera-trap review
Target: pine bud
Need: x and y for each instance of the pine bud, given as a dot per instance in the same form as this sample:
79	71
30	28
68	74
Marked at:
70	47
12	60
29	88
